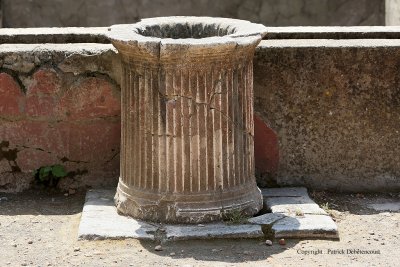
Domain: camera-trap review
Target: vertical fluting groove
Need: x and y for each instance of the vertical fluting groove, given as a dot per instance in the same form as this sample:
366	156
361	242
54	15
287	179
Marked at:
214	175
149	133
224	126
178	138
139	128
144	129
186	133
155	131
210	129
236	122
202	132
198	138
231	128
130	130
251	111
243	130
163	134
152	132
219	148
136	178
171	136
123	164
175	133
190	124
242	125
167	130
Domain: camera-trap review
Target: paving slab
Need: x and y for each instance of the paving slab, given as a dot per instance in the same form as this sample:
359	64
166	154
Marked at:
266	219
100	220
293	205
307	226
213	231
284	192
386	206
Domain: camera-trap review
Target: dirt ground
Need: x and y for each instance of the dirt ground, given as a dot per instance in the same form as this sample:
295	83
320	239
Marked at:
38	228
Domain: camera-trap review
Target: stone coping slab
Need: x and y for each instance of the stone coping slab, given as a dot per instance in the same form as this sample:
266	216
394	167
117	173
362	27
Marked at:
100	220
98	34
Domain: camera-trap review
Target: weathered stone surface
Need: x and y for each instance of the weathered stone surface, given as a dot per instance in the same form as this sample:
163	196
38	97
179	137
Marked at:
308	226
392	11
36	131
42	94
213	231
187	118
293	205
90	97
12	100
100	220
333	105
284	192
266	219
46	13
386	206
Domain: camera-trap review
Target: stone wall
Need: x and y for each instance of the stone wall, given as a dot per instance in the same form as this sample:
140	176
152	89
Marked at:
59	104
63	13
335	108
327	111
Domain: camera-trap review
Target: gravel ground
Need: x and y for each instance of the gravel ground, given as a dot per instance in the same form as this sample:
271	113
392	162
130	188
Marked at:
38	228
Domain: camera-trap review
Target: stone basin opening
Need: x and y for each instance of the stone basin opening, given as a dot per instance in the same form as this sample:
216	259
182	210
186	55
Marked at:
186	30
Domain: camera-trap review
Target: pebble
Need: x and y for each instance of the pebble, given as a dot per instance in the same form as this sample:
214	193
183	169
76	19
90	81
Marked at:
282	242
246	252
371	232
77	249
201	225
66	194
30	242
268	243
158	248
214	250
3	198
172	254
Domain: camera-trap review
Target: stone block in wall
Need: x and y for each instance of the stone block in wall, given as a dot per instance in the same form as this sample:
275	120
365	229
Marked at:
335	107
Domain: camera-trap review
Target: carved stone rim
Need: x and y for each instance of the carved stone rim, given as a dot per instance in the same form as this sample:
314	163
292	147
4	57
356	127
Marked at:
229	31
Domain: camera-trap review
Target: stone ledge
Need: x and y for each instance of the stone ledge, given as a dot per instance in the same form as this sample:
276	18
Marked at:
54	35
328	43
334	32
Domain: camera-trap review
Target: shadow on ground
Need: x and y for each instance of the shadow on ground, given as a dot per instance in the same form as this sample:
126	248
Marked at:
41	202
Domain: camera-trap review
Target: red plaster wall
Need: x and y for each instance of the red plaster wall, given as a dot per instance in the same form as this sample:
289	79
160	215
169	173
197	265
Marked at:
266	149
59	120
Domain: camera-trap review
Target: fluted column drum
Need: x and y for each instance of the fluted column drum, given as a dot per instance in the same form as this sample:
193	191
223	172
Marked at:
187	118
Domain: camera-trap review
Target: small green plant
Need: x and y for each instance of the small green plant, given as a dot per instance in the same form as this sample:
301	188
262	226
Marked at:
234	216
325	207
50	175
